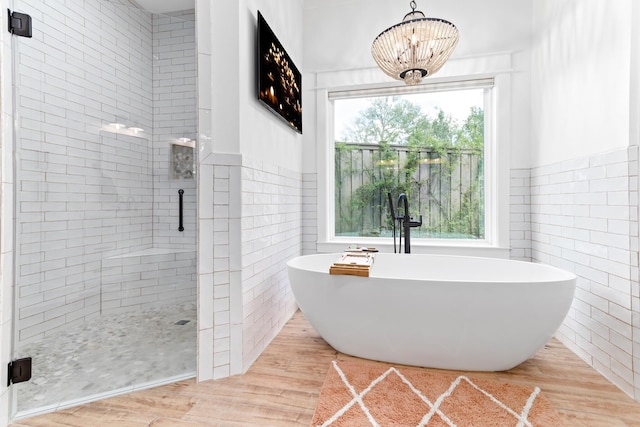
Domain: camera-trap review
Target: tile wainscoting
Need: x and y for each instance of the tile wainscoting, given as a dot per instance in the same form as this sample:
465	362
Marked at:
584	218
520	214
255	217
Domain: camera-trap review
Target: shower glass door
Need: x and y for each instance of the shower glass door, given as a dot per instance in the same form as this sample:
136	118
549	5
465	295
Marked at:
105	107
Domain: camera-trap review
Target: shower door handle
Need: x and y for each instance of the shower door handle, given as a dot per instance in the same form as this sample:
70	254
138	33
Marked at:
180	194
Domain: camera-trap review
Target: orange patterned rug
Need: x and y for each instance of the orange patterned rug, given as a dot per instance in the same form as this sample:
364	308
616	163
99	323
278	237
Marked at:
372	394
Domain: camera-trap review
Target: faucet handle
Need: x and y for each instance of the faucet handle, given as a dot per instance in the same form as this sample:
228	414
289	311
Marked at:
416	223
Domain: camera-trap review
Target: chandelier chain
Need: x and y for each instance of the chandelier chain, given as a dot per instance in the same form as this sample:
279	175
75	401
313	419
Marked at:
413	6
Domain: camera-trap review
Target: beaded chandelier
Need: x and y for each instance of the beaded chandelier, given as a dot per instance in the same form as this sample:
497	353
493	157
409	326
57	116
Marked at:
415	48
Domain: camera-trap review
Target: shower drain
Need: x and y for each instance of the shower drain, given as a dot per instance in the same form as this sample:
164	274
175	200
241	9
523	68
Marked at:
181	322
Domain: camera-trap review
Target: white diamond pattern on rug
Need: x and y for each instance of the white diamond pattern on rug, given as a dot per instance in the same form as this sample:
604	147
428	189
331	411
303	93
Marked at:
437	408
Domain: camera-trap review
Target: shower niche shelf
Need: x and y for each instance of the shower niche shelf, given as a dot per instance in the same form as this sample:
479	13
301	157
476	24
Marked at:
182	161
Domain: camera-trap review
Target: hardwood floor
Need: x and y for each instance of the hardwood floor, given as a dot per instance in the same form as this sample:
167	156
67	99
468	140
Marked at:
282	387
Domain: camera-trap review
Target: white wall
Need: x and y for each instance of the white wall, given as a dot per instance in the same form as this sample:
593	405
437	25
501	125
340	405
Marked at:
584	220
580	78
240	123
271	235
584	179
250	183
270	142
174	117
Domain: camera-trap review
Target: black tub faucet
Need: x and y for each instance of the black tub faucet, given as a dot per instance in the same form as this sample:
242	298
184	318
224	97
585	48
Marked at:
406	222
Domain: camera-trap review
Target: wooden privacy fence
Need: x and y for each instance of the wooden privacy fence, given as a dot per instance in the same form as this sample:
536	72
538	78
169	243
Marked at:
446	187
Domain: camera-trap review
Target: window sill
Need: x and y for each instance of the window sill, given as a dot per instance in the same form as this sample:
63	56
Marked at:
443	247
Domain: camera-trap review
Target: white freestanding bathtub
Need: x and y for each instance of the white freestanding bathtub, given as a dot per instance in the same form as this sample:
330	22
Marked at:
438	311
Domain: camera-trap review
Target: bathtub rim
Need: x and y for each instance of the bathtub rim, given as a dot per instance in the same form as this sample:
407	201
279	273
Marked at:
562	274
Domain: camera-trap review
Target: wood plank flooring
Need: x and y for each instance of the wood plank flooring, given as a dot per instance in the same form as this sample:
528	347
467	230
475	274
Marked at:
282	387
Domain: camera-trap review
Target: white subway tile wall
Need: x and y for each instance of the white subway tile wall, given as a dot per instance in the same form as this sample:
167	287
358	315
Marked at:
86	191
225	235
584	218
271	235
520	219
309	213
206	269
174	117
148	278
245	298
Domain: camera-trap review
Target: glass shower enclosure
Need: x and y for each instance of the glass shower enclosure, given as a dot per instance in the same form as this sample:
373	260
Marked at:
105	197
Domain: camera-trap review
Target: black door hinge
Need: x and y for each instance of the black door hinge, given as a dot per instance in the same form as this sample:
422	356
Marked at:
19	371
19	24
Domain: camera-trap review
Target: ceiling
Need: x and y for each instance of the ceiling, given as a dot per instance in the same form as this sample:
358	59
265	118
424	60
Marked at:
166	6
338	33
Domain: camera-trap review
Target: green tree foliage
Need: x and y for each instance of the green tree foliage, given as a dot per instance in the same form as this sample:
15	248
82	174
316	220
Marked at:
392	123
471	134
388	120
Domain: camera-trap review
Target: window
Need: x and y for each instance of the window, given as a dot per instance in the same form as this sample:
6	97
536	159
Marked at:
429	142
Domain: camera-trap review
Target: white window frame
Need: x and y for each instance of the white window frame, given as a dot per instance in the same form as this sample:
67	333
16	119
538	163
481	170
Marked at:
497	170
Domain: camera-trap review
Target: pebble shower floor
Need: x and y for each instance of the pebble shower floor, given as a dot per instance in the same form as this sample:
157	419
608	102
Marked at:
110	353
